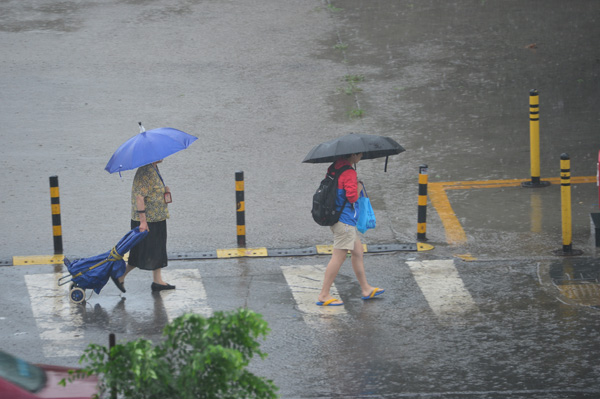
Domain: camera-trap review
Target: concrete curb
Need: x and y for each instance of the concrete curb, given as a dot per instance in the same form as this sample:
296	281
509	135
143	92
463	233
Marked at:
260	252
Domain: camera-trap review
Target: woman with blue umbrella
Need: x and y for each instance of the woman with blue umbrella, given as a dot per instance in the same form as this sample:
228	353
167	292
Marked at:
149	197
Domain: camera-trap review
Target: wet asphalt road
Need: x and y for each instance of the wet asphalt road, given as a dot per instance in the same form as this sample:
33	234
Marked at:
260	82
494	330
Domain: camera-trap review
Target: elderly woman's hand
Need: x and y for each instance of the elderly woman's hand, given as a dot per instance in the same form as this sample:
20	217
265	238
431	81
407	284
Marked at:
144	226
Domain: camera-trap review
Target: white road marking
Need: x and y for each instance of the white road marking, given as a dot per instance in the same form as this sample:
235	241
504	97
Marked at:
188	297
442	287
61	326
59	321
306	282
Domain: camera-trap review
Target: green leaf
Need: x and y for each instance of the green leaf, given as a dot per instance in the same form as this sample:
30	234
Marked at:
198	357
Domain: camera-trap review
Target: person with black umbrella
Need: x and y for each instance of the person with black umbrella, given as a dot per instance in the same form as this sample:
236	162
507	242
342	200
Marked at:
346	151
345	235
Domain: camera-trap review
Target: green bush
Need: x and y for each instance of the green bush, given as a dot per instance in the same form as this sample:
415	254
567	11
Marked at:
198	358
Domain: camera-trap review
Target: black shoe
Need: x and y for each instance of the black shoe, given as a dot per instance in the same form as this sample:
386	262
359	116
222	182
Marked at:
161	287
118	284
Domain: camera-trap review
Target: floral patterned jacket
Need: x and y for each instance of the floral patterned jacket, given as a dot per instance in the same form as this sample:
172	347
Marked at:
148	184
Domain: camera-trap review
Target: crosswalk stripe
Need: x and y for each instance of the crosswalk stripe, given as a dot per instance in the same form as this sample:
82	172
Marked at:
60	325
442	287
62	328
188	297
305	282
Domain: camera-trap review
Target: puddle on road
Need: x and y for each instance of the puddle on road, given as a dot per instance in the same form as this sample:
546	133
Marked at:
25	17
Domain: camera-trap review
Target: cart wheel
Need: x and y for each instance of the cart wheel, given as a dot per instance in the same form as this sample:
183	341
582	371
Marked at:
77	295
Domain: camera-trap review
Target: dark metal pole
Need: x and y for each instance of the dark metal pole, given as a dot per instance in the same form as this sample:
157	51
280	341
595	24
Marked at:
111	344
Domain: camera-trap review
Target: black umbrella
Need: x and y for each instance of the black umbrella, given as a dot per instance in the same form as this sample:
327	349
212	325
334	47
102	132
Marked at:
371	147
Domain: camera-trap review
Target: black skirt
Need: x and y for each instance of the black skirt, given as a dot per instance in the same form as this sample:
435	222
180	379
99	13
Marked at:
151	252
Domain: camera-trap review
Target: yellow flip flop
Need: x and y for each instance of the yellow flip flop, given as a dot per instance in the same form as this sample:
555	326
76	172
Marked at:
329	302
374	293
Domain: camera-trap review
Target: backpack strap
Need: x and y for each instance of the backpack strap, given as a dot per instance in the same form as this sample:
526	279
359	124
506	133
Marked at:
338	173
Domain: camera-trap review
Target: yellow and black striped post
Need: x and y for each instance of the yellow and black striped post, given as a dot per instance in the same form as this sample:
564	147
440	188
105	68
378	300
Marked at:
422	213
565	200
56	226
241	209
534	141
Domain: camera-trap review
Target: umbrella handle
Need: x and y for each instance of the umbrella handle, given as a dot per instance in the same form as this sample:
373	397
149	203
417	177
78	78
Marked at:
386	161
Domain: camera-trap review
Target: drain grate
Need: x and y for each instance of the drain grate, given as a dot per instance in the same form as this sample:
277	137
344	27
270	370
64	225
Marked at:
391	247
194	255
293	252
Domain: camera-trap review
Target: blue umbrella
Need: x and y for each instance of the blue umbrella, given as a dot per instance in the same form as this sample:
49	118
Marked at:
147	147
94	272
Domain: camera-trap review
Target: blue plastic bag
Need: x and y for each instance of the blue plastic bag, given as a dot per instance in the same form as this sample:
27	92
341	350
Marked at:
366	216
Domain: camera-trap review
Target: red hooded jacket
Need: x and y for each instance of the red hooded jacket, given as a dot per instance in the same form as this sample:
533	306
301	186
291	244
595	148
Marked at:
347	190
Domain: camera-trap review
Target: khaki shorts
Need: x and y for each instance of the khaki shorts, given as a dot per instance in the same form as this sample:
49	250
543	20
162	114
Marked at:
344	236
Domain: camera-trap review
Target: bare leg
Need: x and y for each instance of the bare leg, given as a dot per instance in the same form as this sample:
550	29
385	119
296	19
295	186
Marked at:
127	270
159	284
358	265
157	277
337	259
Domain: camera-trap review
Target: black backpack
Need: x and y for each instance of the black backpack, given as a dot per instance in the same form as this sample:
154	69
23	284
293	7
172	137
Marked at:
324	211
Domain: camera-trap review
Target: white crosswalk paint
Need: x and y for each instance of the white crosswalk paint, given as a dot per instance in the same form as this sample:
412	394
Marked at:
61	325
59	322
442	287
189	297
305	282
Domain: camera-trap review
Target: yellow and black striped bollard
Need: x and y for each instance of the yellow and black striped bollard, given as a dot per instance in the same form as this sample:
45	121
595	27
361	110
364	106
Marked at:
241	209
56	225
534	141
565	200
422	212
